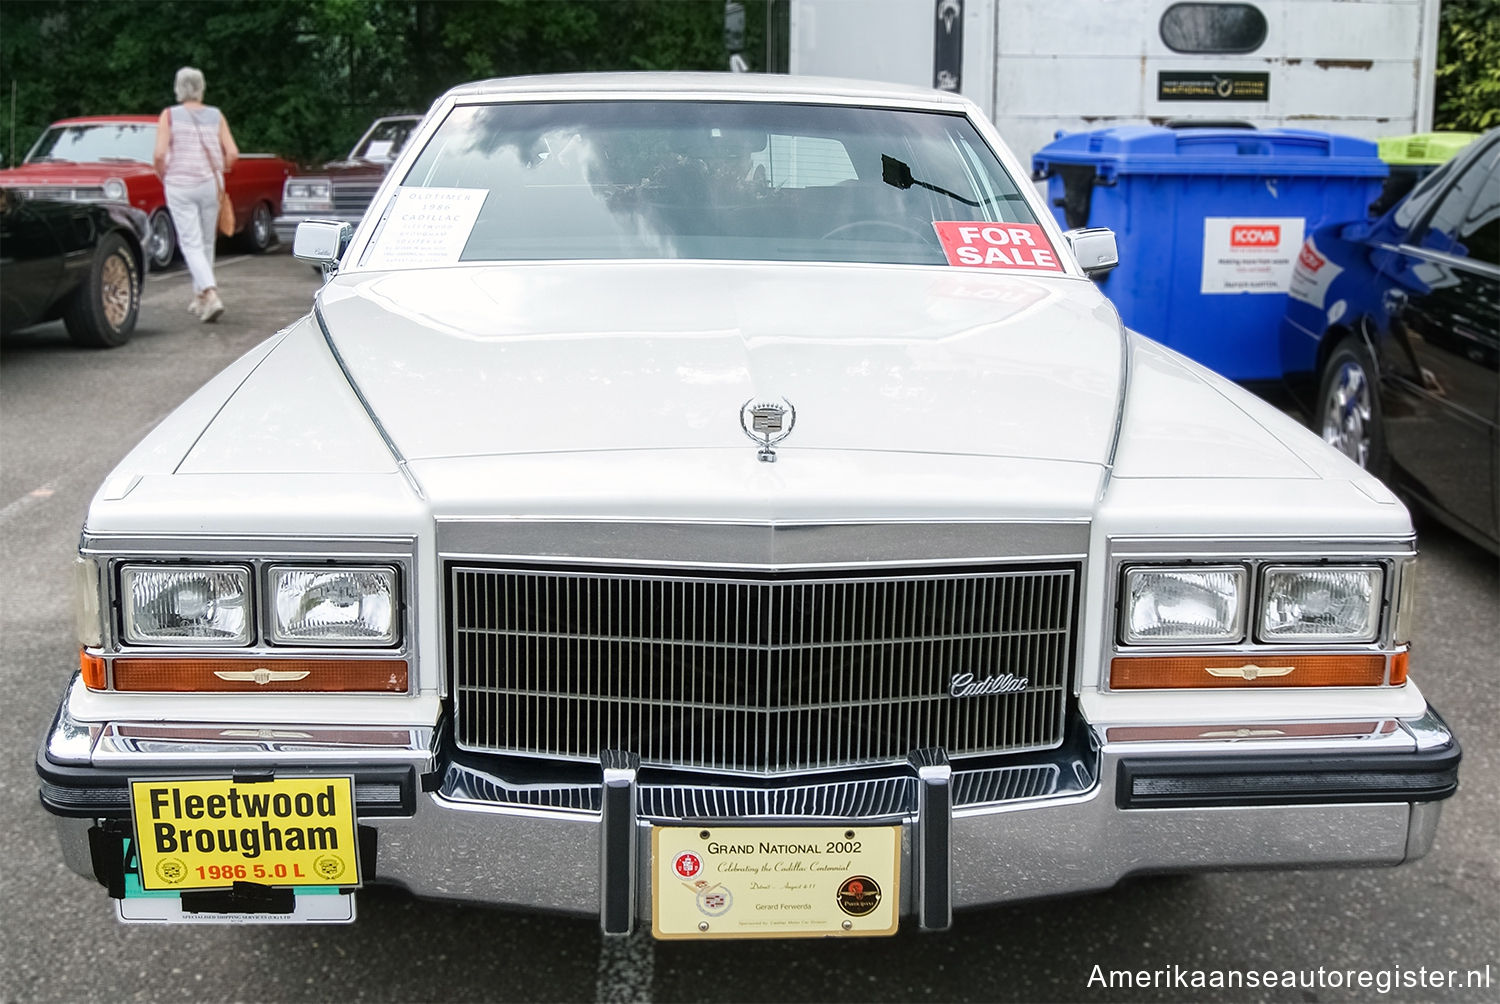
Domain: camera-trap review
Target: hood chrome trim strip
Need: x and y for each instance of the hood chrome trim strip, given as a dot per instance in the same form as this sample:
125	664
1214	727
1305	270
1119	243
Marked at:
390	444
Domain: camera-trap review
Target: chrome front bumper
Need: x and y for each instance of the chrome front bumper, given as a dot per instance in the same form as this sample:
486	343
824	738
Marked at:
1111	803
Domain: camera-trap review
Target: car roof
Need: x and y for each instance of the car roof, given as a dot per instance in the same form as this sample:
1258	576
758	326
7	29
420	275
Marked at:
100	119
728	84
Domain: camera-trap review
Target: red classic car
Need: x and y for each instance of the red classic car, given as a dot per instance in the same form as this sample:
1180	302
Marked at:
107	158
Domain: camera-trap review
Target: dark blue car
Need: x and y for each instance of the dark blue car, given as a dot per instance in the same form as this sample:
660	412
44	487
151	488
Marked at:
1392	335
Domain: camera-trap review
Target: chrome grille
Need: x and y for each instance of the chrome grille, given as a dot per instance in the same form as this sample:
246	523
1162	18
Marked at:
353	197
757	674
864	798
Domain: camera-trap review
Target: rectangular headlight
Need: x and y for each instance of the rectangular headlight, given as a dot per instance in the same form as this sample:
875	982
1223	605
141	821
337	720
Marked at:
1179	606
1321	604
168	605
308	190
333	606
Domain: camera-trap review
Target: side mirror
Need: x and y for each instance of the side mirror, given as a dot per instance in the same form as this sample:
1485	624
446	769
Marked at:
1094	249
322	242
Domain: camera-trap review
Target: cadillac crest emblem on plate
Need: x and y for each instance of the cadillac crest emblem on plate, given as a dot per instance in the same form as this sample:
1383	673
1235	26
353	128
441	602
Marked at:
767	423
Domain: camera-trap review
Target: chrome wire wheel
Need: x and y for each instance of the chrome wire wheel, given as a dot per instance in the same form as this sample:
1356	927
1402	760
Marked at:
162	242
1348	412
117	289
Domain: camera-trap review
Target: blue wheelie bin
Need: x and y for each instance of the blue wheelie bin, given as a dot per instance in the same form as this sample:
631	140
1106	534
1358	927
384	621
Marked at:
1209	223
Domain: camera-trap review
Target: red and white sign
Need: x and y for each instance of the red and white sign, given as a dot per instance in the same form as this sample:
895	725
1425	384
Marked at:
1312	276
1016	247
687	865
1249	255
1266	235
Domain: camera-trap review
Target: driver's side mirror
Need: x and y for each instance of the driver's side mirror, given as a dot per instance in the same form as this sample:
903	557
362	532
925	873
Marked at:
322	242
1094	249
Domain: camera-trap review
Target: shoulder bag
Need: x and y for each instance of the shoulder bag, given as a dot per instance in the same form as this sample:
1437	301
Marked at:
226	207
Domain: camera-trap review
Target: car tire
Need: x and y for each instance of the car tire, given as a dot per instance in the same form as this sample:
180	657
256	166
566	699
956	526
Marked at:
102	312
259	234
161	249
1349	415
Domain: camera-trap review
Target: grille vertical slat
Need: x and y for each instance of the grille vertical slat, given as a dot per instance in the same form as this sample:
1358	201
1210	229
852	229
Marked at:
759	674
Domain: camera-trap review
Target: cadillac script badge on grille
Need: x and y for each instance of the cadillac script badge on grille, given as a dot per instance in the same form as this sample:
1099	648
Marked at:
768	423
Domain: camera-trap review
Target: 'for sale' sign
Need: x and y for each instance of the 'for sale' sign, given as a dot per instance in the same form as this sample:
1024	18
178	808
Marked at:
1018	247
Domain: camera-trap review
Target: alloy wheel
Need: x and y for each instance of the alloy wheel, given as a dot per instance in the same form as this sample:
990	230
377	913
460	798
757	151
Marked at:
116	289
1347	413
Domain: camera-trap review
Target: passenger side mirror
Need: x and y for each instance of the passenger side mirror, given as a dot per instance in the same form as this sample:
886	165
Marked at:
322	242
1094	249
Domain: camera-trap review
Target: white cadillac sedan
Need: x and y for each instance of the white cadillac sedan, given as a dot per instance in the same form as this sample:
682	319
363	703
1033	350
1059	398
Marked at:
726	506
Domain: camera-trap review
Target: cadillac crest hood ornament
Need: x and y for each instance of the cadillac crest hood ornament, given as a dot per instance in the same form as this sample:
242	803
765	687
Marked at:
767	423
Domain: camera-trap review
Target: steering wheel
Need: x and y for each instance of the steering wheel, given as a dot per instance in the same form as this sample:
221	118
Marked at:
901	228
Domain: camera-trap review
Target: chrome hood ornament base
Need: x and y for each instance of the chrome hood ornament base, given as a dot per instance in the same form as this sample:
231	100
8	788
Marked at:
767	423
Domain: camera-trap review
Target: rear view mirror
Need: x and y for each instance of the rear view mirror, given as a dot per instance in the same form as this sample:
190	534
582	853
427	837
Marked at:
894	172
1094	249
322	242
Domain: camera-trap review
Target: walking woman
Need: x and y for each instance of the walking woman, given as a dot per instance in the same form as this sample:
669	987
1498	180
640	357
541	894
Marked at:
193	150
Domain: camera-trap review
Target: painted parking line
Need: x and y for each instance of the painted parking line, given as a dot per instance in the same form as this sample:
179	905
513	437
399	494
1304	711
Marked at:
627	969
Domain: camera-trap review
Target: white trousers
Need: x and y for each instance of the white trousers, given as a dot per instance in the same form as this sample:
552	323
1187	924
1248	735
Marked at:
195	214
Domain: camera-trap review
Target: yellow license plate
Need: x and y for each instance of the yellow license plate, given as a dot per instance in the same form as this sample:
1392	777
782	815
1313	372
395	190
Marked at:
775	881
211	833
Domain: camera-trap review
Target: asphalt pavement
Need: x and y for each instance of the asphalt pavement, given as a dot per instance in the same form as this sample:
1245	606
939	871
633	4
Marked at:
67	415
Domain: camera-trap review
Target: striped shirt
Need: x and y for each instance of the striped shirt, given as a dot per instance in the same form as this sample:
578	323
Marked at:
194	155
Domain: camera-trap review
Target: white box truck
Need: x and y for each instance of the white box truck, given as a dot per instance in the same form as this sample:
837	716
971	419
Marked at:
1358	67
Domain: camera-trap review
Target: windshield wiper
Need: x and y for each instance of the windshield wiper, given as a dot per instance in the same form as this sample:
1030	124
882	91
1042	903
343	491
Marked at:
120	160
44	159
898	175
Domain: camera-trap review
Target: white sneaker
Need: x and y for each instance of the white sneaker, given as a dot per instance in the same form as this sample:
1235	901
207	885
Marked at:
195	307
212	307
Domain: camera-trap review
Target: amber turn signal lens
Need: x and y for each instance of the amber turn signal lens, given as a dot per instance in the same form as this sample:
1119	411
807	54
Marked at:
261	676
1398	669
92	669
1262	670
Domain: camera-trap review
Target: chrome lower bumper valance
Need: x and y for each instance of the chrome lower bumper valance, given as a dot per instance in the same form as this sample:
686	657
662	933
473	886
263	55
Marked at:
1109	803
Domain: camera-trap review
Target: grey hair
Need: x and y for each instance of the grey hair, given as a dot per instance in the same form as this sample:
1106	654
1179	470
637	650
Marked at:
189	84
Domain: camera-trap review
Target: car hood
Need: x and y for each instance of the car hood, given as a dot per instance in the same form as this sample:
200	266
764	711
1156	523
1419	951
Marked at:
352	169
601	357
72	172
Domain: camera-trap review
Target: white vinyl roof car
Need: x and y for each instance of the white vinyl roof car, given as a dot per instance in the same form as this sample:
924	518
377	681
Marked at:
684	482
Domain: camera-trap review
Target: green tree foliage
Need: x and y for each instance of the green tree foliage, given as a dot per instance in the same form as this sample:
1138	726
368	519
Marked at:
304	77
1468	87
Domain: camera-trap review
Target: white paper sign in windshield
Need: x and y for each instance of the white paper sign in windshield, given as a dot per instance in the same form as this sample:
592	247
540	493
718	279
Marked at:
427	226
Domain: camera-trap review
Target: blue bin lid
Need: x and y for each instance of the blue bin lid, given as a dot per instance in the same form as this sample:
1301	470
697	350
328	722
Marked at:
1159	150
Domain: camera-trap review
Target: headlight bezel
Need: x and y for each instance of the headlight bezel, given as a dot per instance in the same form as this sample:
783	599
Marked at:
1236	629
1395	557
128	612
109	553
308	194
1264	593
271	615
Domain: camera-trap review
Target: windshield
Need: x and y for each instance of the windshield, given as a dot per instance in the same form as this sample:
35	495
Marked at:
96	141
384	140
713	180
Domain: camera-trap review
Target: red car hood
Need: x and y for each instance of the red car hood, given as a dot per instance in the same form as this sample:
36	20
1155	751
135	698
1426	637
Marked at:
66	172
